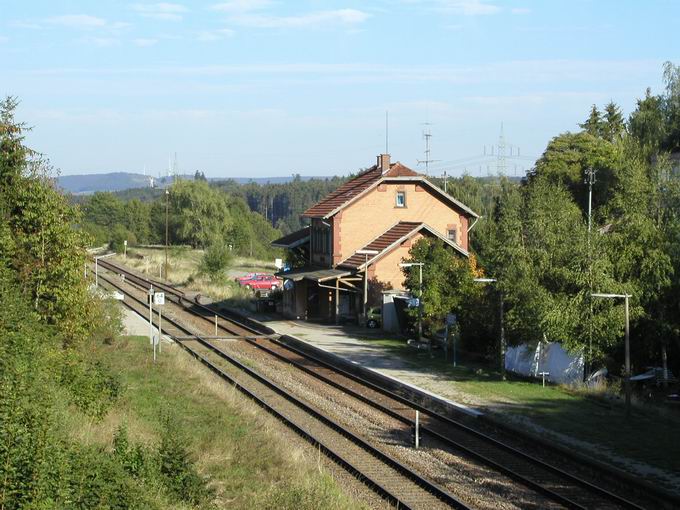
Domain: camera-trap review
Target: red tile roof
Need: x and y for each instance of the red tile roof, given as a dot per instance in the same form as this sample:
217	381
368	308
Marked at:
355	186
387	239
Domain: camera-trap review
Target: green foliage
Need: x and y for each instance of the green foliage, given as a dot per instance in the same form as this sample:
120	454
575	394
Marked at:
118	235
646	123
136	460
216	259
44	250
180	476
593	125
568	157
447	280
92	386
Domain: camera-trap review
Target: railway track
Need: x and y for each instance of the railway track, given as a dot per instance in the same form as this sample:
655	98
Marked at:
386	475
554	484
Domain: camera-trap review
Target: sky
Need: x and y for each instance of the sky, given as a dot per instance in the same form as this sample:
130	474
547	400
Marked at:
258	88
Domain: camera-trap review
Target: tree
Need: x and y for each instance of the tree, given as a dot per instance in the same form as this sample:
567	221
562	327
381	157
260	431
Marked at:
447	280
613	126
44	250
199	213
104	209
593	124
671	76
568	157
646	124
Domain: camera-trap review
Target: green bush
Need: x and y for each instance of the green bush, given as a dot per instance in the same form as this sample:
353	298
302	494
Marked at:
119	235
135	459
92	386
216	259
180	476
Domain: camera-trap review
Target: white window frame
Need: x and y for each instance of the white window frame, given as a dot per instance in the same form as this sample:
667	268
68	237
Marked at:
396	199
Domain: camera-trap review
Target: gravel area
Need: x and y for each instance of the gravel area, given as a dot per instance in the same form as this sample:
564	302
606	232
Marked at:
473	483
466	479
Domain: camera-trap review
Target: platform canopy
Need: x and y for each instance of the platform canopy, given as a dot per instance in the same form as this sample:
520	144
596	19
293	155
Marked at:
297	238
314	274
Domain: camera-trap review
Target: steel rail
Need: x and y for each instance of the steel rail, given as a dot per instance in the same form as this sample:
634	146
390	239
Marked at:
604	493
425	484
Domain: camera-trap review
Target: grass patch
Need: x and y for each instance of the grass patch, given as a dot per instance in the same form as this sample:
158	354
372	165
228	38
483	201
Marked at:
650	436
184	270
230	439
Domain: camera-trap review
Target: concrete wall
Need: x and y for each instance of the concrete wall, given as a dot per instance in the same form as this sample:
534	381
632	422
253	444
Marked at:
375	212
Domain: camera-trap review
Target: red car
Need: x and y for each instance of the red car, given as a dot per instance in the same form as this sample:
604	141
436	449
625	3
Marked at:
261	282
247	277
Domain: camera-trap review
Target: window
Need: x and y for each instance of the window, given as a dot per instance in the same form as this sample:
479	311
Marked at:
452	235
401	199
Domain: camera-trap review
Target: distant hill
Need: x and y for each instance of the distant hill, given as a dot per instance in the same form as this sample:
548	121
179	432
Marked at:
89	183
118	181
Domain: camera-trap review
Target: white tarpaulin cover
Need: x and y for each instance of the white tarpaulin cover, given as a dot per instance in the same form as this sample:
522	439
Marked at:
548	357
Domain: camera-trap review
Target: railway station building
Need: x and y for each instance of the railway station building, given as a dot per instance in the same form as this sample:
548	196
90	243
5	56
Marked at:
348	257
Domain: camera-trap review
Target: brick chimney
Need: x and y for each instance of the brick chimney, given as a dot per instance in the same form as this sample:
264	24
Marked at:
384	162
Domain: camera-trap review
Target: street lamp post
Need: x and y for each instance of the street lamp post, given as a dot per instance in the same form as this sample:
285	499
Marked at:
501	339
167	203
625	298
420	295
96	267
366	253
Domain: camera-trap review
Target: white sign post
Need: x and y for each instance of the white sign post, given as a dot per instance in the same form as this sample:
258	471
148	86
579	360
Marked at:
150	316
159	301
125	248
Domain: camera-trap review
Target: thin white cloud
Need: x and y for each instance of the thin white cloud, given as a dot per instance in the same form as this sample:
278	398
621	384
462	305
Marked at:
468	7
215	35
143	42
79	21
309	20
522	73
102	42
31	25
235	6
161	11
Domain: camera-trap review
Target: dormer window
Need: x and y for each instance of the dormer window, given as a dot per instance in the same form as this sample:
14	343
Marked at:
401	199
452	235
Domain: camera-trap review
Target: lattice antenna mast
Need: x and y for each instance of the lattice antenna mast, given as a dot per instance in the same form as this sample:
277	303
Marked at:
174	168
427	136
501	163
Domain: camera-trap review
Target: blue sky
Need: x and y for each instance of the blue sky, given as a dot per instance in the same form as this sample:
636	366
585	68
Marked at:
265	87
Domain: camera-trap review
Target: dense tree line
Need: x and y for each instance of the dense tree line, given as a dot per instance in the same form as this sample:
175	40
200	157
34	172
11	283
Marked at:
198	215
282	204
536	242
